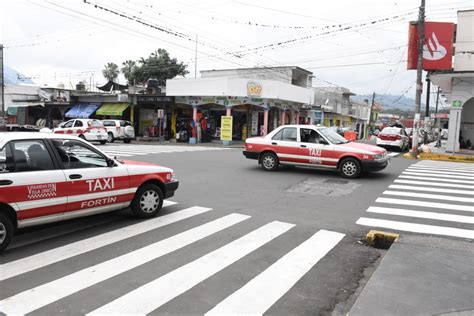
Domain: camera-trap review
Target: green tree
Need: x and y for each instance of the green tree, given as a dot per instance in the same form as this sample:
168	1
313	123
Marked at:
128	70
159	65
111	71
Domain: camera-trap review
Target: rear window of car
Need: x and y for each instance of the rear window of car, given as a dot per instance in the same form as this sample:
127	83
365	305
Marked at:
125	123
109	123
95	123
391	130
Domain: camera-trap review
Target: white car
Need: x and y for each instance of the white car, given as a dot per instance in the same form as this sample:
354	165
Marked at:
46	177
119	129
87	129
393	137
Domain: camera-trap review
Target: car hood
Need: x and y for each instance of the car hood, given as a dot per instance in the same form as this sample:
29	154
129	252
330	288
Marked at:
365	147
145	166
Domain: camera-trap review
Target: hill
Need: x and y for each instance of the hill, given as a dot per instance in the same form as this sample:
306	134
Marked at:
390	101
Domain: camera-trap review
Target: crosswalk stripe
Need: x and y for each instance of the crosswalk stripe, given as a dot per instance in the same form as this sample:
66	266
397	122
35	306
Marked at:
437	184
468	171
258	295
461	173
20	266
427	178
450	166
45	294
455	207
156	293
439	175
428	189
422	214
417	228
430	196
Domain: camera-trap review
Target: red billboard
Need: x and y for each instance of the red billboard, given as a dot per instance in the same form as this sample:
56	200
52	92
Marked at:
438	46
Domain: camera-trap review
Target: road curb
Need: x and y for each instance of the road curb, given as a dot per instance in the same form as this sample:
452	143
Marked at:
440	157
381	239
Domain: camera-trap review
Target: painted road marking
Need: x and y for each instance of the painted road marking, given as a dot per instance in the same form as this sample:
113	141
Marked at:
416	228
45	294
428	189
430	196
426	204
437	184
258	295
426	178
140	150
453	167
393	154
156	293
421	214
439	175
460	173
464	171
20	266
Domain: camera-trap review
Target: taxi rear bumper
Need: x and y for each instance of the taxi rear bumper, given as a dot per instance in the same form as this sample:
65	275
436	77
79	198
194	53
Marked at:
251	154
375	165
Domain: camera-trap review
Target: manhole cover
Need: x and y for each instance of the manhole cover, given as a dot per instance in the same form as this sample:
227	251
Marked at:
336	181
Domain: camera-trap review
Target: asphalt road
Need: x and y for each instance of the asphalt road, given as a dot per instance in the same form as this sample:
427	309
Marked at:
302	201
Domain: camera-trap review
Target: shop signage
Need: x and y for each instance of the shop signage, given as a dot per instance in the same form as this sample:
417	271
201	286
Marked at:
457	104
254	89
208	100
254	123
437	49
55	96
160	113
154	98
122	97
226	128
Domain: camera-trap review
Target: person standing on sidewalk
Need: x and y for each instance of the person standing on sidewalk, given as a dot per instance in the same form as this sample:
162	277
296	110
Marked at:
438	137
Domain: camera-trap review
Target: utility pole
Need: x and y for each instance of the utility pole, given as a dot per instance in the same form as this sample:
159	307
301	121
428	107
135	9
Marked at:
419	74
428	92
436	110
196	57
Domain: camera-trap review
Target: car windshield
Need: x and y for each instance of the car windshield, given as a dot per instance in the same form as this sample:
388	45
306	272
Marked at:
332	136
391	130
95	123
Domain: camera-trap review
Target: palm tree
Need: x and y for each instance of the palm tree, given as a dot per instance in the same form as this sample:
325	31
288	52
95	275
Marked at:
111	71
128	67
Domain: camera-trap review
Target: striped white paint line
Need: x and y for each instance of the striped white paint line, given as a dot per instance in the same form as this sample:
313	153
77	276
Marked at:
20	266
421	214
431	196
428	189
439	175
455	207
437	184
258	295
426	178
393	154
449	166
32	299
461	173
466	171
156	293
417	228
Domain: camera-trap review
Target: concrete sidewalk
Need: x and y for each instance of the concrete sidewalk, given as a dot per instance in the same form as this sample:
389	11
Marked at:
421	275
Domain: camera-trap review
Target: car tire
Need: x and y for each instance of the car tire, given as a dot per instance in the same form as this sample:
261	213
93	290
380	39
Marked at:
6	231
110	137
82	137
269	161
127	141
148	201
103	142
350	168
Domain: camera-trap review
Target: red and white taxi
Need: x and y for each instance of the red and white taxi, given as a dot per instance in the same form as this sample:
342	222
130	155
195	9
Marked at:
88	129
308	145
47	177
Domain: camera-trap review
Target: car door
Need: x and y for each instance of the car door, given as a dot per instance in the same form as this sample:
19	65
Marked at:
316	148
31	181
78	128
95	185
285	143
65	128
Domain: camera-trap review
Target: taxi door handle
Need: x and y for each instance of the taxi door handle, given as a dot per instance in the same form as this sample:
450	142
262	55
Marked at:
304	146
75	176
6	182
274	143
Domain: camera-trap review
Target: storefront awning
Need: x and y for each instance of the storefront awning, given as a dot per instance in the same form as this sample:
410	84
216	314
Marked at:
82	110
12	109
112	109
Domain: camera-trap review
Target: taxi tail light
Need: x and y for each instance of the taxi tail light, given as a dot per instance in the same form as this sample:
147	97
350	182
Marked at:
389	137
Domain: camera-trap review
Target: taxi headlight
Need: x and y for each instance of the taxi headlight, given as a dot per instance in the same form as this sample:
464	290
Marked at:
378	156
173	177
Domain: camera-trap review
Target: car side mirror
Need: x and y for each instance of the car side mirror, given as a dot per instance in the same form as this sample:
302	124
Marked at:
110	162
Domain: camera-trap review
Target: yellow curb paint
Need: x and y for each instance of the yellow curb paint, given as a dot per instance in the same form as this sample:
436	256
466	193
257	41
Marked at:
374	236
446	157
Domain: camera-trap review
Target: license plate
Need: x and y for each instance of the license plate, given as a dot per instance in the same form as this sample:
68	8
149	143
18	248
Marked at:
99	137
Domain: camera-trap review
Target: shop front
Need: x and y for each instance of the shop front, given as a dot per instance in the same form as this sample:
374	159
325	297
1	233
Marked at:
154	116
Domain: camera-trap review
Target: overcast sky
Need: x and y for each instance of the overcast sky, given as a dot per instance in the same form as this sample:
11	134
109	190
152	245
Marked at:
55	41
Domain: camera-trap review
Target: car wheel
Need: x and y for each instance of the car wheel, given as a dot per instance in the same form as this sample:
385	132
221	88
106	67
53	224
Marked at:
127	141
6	231
110	137
269	161
82	137
148	201
103	142
350	168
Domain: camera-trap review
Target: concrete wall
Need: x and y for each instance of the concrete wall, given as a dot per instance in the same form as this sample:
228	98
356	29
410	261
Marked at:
464	58
467	121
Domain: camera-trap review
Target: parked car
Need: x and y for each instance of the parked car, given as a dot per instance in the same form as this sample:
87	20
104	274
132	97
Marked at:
46	177
87	129
393	137
119	129
306	145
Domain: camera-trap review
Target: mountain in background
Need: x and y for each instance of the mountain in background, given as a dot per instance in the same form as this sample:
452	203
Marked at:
390	101
14	77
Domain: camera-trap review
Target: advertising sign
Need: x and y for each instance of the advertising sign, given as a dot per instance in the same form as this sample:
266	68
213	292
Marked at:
254	123
226	128
254	89
438	46
457	104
